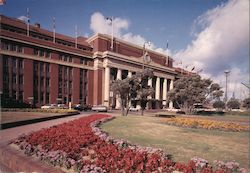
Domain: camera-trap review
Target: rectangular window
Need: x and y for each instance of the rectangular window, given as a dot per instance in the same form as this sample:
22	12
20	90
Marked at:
41	52
47	98
47	68
65	58
20	79
14	79
13	47
41	97
70	59
36	52
47	82
41	67
60	57
20	49
47	54
14	63
20	96
20	63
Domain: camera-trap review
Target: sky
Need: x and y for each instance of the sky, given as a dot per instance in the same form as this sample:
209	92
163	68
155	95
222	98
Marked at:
210	35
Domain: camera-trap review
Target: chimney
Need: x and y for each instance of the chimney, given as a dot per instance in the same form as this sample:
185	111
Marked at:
37	25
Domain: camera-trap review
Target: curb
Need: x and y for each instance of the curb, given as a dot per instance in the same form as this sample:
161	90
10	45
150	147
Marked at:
37	120
13	160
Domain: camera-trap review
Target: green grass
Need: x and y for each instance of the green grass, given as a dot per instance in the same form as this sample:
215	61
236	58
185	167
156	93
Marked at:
182	143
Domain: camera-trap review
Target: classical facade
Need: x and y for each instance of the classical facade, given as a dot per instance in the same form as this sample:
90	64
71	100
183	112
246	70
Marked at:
43	67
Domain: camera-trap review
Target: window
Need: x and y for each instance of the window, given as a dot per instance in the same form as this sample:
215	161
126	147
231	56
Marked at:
20	63
5	46
47	82
20	49
41	96
60	57
70	59
65	58
47	68
14	79
20	79
13	47
20	96
47	54
41	68
41	52
14	62
47	98
41	81
36	52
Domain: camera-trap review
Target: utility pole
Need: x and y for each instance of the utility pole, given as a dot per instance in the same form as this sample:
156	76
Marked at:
227	72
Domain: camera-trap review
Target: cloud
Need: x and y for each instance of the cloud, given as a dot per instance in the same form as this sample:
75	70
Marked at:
23	18
222	43
99	24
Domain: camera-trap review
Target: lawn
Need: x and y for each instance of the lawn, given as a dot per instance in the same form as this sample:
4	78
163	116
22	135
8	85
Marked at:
182	143
7	117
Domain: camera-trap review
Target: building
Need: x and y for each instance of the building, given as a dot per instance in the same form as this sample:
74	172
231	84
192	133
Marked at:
40	67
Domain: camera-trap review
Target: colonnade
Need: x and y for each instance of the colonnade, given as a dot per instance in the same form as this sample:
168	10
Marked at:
150	83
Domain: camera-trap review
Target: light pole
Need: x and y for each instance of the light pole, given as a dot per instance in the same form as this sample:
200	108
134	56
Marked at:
227	72
144	54
112	35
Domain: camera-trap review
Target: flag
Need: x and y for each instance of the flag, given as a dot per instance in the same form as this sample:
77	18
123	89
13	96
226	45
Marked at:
2	2
28	22
76	32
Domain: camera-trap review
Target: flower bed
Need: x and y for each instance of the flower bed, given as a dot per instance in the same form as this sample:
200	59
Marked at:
206	124
82	146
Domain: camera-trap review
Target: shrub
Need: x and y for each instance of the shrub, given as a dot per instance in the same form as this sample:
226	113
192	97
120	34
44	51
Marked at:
219	105
233	104
246	103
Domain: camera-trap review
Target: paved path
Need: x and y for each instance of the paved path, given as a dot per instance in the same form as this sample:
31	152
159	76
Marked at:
11	133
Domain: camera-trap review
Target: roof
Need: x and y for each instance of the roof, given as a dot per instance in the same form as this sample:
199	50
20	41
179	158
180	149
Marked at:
21	24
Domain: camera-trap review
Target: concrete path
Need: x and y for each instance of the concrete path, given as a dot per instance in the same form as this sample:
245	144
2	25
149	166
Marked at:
12	133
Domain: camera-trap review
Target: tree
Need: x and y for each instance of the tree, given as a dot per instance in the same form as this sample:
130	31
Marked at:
233	104
133	88
193	89
219	105
246	103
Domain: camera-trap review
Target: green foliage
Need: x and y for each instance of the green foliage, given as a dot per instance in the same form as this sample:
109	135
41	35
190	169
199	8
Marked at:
233	104
246	103
219	104
189	90
133	88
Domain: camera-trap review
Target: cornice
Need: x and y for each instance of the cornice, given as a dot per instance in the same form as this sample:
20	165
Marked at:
37	58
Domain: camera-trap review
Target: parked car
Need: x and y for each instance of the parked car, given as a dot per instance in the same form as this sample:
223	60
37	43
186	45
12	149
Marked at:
82	107
62	106
49	106
100	108
134	109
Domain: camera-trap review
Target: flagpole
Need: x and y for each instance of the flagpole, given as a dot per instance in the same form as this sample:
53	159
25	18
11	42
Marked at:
112	41
28	23
76	36
54	30
167	54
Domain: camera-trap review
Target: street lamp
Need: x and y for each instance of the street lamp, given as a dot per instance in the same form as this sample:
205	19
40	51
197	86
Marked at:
145	55
112	35
226	74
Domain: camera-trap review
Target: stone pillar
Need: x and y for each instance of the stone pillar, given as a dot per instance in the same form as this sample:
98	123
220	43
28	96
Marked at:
170	88
164	93
157	89
150	84
118	100
106	86
129	74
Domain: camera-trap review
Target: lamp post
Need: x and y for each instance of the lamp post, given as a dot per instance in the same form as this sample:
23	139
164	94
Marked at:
226	74
112	35
144	54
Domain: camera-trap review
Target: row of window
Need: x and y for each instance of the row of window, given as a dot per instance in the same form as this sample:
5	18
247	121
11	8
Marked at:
42	53
12	47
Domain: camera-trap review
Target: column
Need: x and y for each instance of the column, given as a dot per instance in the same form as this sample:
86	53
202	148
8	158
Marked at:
118	100
157	89
170	88
106	86
150	84
164	93
129	74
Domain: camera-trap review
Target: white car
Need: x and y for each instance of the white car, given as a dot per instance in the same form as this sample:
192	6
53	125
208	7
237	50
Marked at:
100	108
134	109
49	106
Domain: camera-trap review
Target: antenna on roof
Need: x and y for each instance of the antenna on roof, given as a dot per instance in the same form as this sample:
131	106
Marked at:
167	54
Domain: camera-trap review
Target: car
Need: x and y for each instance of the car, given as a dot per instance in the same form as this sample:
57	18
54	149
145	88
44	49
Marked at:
80	107
49	106
100	108
134	109
62	106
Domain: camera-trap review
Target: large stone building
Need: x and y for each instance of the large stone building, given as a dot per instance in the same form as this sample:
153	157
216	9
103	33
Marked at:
42	67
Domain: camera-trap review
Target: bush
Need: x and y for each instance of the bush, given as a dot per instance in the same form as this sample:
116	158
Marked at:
219	105
246	103
233	104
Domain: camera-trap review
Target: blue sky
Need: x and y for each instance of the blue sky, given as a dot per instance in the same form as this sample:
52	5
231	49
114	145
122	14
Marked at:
210	35
176	16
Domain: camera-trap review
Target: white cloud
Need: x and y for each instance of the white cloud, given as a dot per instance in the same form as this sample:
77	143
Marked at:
99	24
222	43
23	18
